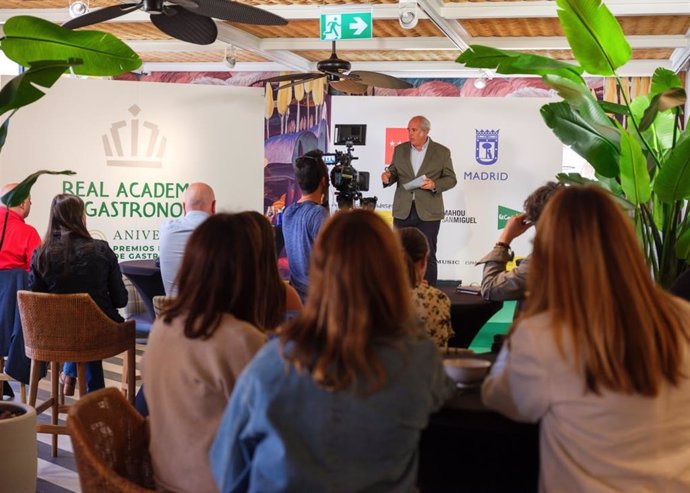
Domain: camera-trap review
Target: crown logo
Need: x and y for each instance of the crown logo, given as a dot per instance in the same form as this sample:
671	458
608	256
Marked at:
486	146
139	146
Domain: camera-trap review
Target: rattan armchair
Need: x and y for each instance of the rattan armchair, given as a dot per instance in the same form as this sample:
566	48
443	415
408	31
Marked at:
69	327
110	441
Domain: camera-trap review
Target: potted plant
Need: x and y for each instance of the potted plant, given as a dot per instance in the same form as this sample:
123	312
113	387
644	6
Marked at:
18	455
638	149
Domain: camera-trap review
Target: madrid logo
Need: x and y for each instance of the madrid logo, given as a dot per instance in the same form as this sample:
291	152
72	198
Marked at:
486	146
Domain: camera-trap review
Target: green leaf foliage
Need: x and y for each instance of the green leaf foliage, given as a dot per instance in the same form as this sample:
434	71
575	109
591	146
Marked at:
587	141
513	62
670	98
616	109
18	194
673	180
683	245
594	35
25	89
575	179
30	39
633	168
664	79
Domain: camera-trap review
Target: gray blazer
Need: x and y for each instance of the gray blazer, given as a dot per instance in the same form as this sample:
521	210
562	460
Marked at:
437	166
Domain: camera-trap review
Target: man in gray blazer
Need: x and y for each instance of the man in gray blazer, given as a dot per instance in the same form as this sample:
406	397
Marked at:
420	207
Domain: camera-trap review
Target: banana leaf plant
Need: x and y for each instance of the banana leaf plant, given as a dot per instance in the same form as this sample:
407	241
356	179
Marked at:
47	51
639	150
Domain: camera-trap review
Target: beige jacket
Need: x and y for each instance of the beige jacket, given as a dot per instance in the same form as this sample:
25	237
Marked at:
498	284
188	383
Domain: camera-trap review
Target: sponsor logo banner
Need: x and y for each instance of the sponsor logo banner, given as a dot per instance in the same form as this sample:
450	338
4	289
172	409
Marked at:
505	213
394	136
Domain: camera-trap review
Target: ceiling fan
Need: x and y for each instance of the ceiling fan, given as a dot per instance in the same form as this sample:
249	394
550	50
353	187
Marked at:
337	72
187	20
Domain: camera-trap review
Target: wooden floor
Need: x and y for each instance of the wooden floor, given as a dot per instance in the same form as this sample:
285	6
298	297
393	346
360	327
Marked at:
59	475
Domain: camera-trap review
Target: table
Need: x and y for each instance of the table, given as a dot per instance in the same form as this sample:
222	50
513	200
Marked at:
467	447
468	313
146	278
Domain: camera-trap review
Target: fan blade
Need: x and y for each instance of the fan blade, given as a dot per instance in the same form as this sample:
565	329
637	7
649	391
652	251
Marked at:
102	15
292	77
298	82
379	80
349	86
232	11
182	24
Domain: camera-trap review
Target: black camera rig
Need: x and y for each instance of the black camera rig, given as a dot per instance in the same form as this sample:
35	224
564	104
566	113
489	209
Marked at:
348	182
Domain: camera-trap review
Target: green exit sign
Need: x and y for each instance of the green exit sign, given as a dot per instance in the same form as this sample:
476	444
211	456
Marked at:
353	25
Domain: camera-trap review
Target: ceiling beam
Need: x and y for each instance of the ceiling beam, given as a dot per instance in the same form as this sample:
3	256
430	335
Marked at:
450	28
561	43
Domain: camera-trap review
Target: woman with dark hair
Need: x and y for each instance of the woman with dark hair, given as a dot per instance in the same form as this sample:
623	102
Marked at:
600	356
279	299
70	261
199	346
337	402
432	304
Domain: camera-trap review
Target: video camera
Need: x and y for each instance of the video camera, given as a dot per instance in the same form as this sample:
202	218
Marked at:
348	182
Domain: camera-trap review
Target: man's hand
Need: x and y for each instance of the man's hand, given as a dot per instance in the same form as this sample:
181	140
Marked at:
428	184
386	177
515	226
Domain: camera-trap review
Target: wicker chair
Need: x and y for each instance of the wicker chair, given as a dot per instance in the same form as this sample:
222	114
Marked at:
110	441
69	327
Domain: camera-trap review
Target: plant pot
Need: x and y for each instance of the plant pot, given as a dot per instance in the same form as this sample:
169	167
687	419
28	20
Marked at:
18	454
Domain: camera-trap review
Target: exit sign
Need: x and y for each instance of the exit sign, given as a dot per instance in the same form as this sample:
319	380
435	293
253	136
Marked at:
353	25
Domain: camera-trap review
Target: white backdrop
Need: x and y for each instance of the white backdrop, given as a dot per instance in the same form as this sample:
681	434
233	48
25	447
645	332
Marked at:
135	147
528	156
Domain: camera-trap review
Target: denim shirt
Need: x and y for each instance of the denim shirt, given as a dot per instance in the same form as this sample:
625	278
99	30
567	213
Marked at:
282	432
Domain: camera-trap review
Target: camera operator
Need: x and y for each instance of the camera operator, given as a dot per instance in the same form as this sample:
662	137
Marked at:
421	208
303	219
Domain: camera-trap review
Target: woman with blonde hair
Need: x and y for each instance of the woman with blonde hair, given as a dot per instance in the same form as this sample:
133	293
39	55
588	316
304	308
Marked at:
337	402
600	356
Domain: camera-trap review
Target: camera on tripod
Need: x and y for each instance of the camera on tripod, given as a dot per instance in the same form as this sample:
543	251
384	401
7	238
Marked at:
348	182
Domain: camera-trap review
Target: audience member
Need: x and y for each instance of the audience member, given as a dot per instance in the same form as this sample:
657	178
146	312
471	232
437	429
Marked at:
600	356
432	304
199	346
498	283
19	240
279	299
199	203
303	219
339	399
70	261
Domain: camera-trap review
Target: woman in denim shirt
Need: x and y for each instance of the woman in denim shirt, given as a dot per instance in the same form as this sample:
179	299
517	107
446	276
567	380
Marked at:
337	402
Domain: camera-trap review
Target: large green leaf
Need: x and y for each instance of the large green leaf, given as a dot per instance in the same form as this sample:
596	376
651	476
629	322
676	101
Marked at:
664	79
19	193
25	89
584	139
683	245
29	39
513	62
617	109
673	180
594	35
580	97
634	174
670	98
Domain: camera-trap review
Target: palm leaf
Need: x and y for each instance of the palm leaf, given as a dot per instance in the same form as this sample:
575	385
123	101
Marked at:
29	39
664	79
673	180
670	98
18	194
634	174
683	245
594	35
616	109
513	62
587	141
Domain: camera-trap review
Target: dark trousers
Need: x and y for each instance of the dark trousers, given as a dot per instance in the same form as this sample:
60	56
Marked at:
428	229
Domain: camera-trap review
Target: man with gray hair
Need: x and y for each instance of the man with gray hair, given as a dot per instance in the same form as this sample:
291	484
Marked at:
199	203
423	170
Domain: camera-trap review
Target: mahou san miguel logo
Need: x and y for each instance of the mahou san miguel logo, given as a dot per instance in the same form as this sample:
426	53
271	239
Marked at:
136	143
486	146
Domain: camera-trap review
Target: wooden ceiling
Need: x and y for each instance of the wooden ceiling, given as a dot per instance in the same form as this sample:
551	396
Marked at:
658	31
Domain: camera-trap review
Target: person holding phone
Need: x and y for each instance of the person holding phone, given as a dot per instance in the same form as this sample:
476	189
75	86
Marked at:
499	284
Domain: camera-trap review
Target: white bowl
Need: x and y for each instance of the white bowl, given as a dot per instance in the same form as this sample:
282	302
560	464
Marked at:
466	370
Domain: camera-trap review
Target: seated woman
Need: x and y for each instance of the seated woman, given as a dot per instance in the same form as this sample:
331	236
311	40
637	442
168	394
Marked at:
339	399
600	355
70	261
279	300
199	345
432	304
